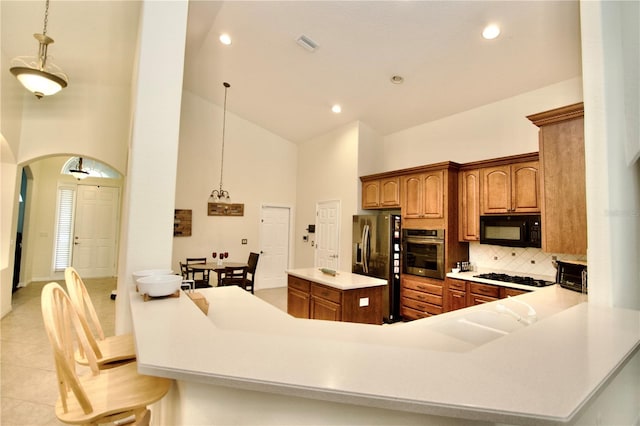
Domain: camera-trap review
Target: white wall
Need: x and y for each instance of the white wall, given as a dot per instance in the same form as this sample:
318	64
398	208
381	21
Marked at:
259	168
494	130
327	170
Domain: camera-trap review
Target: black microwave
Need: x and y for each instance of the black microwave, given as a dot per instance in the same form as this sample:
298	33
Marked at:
511	230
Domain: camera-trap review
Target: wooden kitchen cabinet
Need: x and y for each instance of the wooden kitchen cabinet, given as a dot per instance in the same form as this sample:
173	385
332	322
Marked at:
563	184
298	297
420	297
469	205
326	303
456	294
461	294
512	188
423	195
381	193
481	293
308	299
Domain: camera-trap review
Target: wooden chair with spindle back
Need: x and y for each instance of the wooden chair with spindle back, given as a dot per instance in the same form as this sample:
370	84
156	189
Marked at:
252	264
234	276
204	274
109	350
100	396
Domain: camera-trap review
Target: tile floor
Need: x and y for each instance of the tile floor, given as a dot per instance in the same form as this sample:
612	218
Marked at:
28	383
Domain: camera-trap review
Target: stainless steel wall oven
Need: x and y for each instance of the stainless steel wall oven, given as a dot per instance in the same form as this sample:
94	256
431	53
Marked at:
423	252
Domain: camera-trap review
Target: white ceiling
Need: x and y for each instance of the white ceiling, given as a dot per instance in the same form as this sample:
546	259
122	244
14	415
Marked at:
435	45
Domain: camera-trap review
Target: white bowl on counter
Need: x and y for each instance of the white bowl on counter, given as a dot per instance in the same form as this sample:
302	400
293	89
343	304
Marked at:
148	272
159	285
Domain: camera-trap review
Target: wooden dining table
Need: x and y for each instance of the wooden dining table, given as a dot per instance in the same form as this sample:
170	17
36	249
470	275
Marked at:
216	267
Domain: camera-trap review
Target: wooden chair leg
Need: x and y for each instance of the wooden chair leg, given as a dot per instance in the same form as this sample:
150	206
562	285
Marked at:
143	417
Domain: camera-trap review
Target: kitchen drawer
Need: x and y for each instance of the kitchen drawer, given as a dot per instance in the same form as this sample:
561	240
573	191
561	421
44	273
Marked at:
475	299
422	296
484	290
422	306
299	283
507	291
456	284
422	286
326	293
412	314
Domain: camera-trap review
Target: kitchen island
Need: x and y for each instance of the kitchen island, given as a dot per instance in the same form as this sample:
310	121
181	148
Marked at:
337	296
247	362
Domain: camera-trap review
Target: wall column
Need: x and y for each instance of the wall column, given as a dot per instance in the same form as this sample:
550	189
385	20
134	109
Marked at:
613	175
149	196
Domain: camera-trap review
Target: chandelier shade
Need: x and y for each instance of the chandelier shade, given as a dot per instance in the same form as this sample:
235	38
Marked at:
36	73
78	172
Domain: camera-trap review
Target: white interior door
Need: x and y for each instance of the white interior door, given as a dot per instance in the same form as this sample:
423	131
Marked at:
95	232
328	235
274	252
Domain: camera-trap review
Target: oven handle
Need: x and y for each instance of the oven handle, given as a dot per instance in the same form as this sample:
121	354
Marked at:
424	240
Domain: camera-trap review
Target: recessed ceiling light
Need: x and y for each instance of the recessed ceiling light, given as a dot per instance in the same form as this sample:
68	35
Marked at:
336	108
225	39
490	32
397	79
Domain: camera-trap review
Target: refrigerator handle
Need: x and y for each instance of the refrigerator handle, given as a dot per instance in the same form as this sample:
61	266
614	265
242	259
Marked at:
365	249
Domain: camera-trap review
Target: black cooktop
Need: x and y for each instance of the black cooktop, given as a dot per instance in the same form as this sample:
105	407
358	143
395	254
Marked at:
515	279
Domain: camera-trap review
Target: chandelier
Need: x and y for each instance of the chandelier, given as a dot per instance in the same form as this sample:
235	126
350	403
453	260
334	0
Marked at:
40	77
78	172
221	194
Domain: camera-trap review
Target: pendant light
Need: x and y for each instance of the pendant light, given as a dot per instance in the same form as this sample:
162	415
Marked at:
220	194
37	74
78	172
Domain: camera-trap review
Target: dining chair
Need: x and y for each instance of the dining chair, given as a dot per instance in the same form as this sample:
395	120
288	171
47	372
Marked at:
252	264
184	270
98	396
234	275
109	350
204	274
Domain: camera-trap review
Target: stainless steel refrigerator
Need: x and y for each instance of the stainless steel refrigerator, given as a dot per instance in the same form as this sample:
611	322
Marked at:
376	253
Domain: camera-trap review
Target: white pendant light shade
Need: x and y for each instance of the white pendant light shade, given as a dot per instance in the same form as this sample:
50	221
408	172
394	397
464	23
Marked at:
38	82
40	77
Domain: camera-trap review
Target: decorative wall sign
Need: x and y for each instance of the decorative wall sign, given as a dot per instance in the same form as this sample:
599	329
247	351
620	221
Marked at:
225	209
182	223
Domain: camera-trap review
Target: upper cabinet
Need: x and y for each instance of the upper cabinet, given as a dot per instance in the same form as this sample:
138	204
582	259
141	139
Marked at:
511	188
469	205
381	193
423	195
562	166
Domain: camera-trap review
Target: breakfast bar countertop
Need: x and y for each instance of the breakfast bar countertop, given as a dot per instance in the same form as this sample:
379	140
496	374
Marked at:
342	280
543	373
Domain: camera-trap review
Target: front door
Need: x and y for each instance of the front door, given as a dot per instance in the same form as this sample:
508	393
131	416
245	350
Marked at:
95	232
327	235
274	252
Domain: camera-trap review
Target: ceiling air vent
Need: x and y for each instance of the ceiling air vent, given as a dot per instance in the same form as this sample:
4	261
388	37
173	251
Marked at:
307	43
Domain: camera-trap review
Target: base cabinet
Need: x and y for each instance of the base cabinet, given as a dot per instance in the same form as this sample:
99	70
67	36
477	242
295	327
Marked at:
420	297
311	300
461	294
298	297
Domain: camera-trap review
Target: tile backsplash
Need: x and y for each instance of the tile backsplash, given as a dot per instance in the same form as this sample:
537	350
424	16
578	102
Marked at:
527	260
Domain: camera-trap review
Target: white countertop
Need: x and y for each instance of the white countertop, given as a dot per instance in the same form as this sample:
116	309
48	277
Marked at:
539	374
342	280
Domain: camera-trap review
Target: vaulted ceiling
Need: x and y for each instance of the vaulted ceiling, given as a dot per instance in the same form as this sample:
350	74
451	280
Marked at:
435	45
